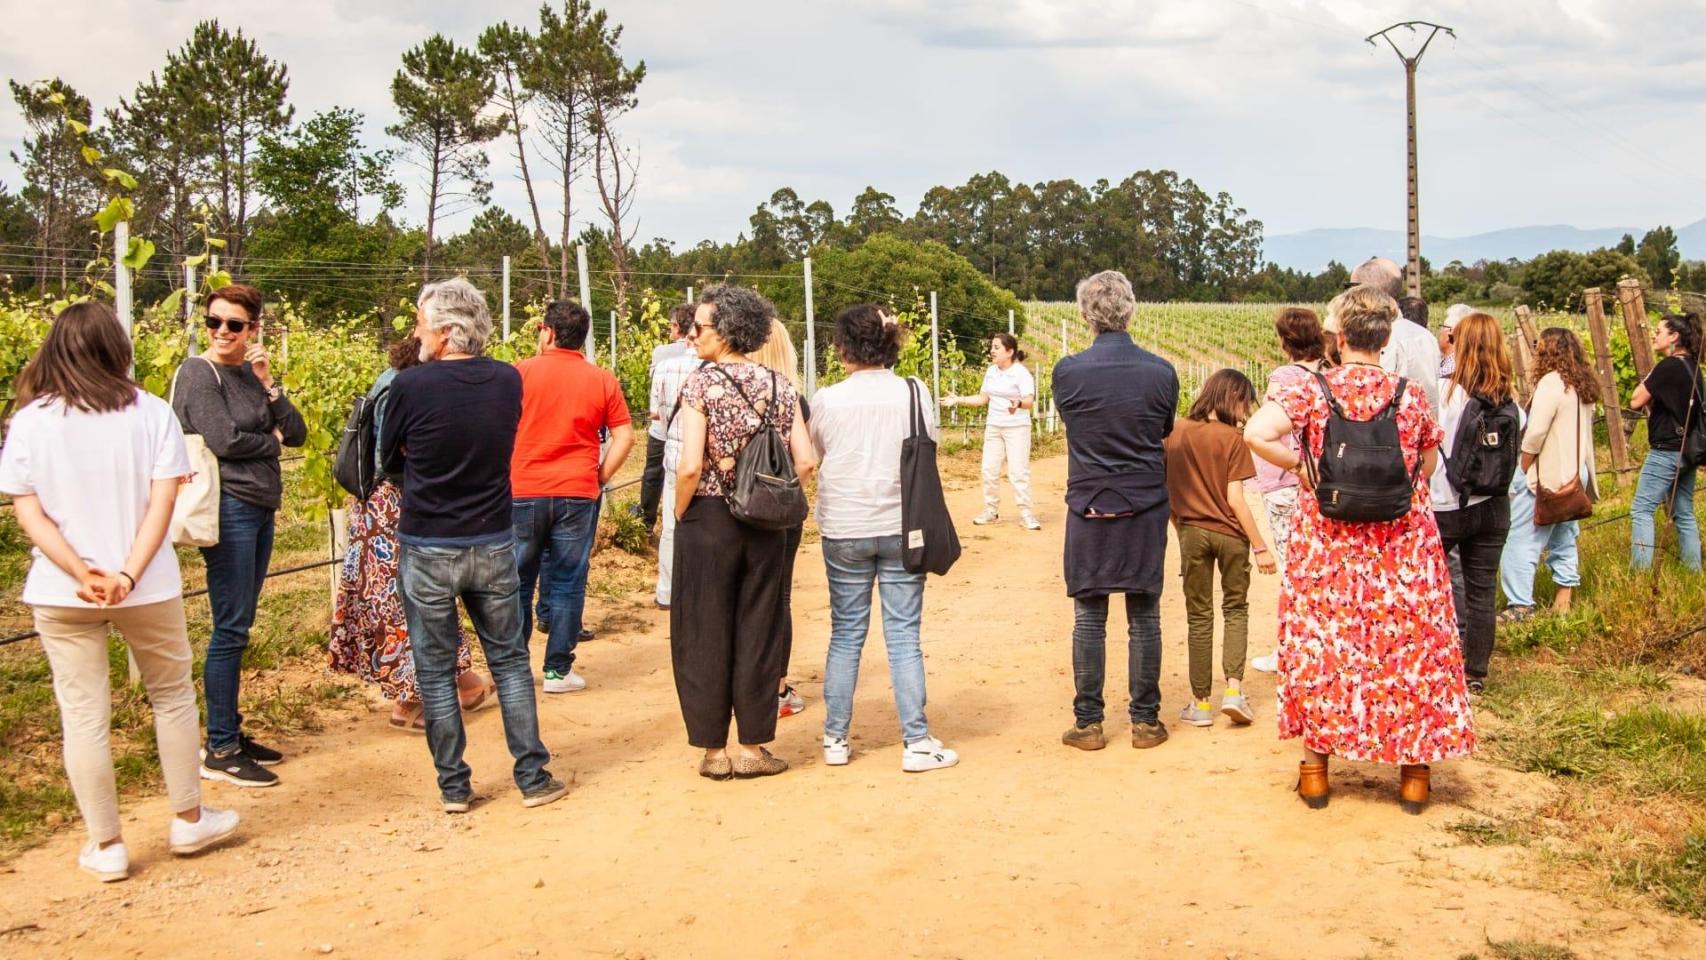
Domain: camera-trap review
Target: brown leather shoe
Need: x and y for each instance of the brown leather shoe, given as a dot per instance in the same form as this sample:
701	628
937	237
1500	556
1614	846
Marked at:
1312	783
1413	787
1087	737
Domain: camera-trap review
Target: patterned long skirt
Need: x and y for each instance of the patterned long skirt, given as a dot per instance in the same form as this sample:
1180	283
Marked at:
369	636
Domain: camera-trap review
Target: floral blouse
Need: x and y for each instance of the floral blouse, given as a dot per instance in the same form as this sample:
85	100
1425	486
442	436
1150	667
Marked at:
730	419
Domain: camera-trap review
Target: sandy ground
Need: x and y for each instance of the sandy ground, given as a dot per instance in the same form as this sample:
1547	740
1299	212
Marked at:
1027	849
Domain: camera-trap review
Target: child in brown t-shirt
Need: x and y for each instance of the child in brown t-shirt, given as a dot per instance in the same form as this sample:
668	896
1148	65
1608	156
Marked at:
1207	463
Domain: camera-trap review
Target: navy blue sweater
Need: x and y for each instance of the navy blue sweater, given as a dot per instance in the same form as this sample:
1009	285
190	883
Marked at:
449	431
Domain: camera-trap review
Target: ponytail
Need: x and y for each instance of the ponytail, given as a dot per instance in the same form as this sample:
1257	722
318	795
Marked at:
1011	343
1686	326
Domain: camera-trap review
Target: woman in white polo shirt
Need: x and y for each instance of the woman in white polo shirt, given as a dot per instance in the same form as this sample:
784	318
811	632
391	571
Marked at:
1010	392
92	465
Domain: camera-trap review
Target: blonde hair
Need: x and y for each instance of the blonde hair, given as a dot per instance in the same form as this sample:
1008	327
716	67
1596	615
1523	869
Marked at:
778	353
1364	316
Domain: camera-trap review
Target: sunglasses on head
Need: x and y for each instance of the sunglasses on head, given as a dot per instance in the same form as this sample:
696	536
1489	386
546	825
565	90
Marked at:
231	326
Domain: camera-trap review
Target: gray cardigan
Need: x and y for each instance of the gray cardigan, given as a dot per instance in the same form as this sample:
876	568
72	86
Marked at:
232	414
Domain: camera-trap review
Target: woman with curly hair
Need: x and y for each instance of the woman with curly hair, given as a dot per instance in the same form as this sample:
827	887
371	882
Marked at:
1557	448
369	636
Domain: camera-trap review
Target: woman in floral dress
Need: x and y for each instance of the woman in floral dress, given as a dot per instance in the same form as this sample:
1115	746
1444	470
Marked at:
369	637
1370	666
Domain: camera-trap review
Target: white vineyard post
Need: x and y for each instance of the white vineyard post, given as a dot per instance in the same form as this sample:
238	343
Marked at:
612	340
586	301
689	294
1009	323
935	348
189	309
506	297
811	335
122	302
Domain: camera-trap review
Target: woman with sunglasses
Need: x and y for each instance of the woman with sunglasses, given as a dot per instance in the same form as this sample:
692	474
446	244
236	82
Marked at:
229	397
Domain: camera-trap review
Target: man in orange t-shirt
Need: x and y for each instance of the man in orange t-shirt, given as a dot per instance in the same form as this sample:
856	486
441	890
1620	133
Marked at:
556	479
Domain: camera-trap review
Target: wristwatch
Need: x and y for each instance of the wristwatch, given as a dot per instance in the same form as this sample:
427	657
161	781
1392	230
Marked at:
275	391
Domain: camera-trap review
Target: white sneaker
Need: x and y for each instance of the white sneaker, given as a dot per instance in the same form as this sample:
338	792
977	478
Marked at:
987	516
927	754
186	838
1267	664
1029	521
836	751
570	682
107	865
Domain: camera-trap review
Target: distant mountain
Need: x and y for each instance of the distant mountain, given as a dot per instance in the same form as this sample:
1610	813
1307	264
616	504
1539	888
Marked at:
1311	249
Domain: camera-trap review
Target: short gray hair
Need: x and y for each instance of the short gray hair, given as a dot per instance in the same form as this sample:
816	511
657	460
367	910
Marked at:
1382	274
457	309
741	315
1365	314
1106	301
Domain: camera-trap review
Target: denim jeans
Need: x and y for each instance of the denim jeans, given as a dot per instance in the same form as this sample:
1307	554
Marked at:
853	565
553	547
1526	542
1657	474
1090	656
1477	533
236	570
483	577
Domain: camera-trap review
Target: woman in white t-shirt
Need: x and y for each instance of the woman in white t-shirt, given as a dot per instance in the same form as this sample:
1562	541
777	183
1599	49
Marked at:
1010	393
92	465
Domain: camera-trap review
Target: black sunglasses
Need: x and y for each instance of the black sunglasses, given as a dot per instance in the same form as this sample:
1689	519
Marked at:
231	326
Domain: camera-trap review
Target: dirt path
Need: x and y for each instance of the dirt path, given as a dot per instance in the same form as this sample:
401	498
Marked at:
1028	848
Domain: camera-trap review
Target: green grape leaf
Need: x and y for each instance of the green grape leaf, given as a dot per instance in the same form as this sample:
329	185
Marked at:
138	253
116	211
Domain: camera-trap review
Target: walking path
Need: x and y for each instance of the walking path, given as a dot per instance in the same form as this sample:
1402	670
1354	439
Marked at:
1195	849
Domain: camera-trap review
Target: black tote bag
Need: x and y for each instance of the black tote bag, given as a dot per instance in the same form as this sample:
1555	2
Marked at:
928	541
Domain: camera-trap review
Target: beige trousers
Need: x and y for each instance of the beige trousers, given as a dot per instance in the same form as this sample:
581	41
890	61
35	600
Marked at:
75	641
1010	446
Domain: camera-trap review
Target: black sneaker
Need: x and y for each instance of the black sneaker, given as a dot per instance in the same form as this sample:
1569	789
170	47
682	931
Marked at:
552	789
586	635
263	755
237	768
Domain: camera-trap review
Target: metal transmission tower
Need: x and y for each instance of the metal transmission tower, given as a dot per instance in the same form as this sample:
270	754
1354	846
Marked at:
1411	62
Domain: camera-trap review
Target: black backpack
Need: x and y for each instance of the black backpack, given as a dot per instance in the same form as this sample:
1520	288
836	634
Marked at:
1361	477
1693	449
1485	452
767	492
356	468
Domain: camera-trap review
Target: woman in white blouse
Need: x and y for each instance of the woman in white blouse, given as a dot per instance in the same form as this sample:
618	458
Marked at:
1010	392
92	464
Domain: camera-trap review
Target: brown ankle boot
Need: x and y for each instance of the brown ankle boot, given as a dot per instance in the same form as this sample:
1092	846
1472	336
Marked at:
1312	783
1413	787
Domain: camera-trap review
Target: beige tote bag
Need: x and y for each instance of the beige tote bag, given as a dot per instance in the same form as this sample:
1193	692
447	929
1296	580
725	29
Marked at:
195	514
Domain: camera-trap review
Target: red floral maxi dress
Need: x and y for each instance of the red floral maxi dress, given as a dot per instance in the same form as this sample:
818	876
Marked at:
1370	665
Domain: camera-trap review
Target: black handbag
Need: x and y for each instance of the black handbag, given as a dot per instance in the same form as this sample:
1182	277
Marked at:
767	492
1693	447
929	543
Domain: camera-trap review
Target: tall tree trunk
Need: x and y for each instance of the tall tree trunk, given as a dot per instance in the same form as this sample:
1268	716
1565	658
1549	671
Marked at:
539	239
432	208
568	180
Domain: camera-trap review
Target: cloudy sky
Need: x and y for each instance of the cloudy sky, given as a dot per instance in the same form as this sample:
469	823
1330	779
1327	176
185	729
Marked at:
1586	112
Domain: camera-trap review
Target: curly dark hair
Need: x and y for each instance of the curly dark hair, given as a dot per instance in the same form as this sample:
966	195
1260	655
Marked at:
740	315
405	353
866	336
680	318
1560	351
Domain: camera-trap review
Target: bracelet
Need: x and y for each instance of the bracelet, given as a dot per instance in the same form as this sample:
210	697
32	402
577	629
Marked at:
1261	550
129	578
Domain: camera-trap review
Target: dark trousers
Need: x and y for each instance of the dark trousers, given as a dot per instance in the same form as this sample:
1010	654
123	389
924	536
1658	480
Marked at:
725	637
236	570
1090	656
1477	535
651	482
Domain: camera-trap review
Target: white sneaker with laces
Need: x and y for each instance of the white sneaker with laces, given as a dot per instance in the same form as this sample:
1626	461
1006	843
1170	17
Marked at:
105	865
836	751
570	682
186	838
987	516
927	754
1029	521
1267	664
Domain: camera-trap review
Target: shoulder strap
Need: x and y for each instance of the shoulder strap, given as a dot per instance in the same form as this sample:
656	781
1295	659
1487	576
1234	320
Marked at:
172	394
916	423
763	419
1327	391
1391	409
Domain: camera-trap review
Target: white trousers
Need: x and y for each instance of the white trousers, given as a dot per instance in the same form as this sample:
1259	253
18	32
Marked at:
1012	446
666	539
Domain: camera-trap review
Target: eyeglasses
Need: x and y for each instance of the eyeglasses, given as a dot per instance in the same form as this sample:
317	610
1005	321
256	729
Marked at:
231	326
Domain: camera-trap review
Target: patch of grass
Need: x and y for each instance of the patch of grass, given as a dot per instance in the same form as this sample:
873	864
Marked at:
628	532
1677	879
1492	831
1528	950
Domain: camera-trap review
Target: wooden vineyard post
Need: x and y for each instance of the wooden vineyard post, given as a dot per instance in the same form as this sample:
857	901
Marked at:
1522	363
1525	325
1607	380
1634	304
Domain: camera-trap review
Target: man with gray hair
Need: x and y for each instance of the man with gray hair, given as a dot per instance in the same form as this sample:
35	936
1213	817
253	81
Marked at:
1411	351
449	430
1118	403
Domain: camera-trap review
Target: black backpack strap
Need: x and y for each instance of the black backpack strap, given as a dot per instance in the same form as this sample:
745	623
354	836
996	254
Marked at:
1327	391
1391	409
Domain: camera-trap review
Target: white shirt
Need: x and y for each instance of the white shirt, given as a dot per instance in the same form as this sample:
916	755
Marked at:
664	389
1013	383
857	427
1413	352
92	472
667	380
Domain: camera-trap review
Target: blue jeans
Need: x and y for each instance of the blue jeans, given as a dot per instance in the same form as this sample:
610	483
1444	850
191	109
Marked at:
1657	475
853	565
483	577
1090	656
553	548
1526	542
236	570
